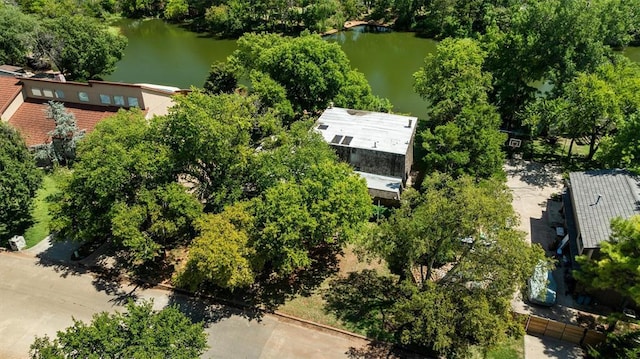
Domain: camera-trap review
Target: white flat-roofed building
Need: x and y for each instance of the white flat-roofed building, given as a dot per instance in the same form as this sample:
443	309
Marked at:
378	145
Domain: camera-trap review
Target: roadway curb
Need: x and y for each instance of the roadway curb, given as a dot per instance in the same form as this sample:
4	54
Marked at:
232	303
279	314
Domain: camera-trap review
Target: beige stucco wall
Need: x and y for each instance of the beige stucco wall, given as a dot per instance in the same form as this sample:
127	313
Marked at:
93	89
157	104
12	108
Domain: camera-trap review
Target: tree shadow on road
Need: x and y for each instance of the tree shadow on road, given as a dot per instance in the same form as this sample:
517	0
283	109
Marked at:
533	173
58	257
208	311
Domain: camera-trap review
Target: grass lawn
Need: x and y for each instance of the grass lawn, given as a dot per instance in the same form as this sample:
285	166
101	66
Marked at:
40	228
511	349
312	307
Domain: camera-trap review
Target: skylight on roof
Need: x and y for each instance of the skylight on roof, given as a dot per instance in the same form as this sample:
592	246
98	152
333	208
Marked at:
347	140
323	127
336	139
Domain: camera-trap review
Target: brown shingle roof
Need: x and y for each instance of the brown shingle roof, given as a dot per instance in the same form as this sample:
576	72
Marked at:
32	122
10	87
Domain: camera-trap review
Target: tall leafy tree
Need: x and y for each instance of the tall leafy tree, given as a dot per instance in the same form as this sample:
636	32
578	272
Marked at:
428	229
618	263
305	206
211	139
140	332
463	128
618	345
622	149
471	144
457	243
452	78
19	181
312	71
221	254
156	220
82	48
17	35
116	163
220	80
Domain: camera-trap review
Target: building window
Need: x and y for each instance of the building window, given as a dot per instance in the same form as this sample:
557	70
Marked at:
83	96
133	102
118	100
36	92
105	99
59	94
47	93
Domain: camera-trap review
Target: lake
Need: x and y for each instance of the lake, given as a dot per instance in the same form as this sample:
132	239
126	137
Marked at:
167	54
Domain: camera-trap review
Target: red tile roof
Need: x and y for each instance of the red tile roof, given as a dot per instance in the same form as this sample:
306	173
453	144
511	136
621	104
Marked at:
10	87
32	122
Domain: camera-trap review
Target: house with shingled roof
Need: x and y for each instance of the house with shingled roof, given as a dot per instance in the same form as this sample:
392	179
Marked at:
378	145
594	198
23	102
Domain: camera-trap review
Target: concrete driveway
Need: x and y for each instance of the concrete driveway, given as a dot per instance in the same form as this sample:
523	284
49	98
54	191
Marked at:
543	348
37	300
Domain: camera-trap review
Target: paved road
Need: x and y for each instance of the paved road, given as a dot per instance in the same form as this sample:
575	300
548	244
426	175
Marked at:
39	300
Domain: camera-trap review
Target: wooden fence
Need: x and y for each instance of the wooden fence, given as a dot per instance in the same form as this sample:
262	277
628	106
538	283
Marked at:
562	331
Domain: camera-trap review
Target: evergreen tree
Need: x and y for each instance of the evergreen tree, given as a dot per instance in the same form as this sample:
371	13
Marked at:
64	137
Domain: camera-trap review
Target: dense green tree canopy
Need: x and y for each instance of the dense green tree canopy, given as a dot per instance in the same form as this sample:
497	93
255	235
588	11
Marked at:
312	71
140	332
617	267
463	135
305	207
19	181
17	35
622	150
452	79
459	260
83	48
118	169
212	139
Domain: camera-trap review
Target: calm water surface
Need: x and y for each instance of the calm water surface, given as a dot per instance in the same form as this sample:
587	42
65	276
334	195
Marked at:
169	55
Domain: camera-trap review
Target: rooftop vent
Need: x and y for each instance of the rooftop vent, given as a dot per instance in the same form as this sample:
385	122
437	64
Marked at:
323	127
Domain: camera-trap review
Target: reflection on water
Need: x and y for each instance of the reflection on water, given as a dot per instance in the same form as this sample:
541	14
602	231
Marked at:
170	55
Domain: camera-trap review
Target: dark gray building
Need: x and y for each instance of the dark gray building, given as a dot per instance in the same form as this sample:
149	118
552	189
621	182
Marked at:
596	198
378	145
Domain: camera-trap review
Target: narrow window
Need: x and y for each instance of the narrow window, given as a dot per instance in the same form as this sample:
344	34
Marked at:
59	94
36	92
83	96
133	101
118	100
47	93
105	99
